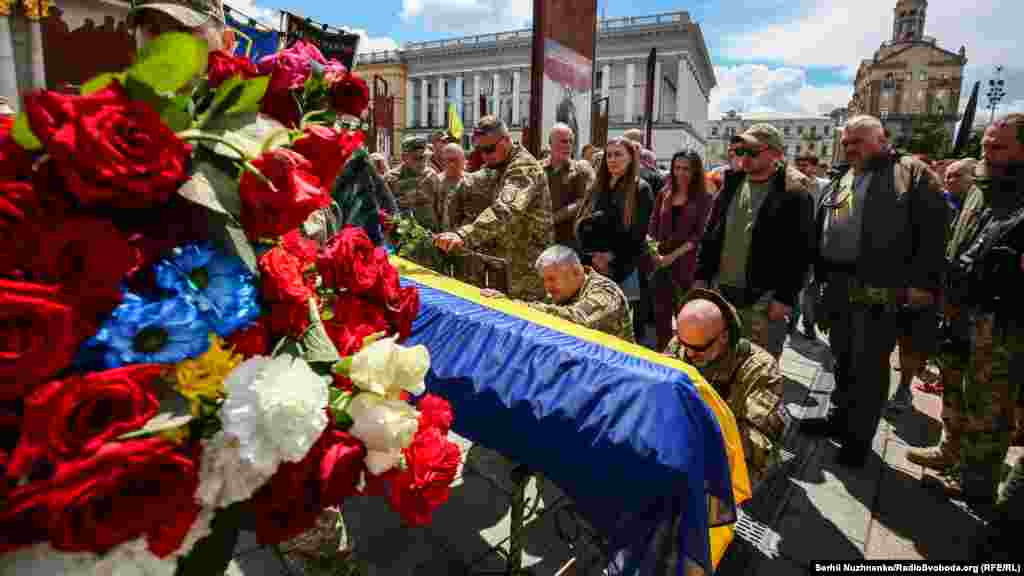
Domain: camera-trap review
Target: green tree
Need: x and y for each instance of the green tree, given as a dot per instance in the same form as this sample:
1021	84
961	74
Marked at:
928	135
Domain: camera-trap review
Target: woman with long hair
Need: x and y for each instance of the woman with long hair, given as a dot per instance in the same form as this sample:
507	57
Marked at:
612	222
677	224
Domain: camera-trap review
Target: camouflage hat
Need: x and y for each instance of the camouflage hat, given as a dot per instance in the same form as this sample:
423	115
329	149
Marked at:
191	13
488	125
413	143
765	134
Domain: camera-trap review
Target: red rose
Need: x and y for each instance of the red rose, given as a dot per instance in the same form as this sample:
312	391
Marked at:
328	150
348	261
154	232
293	194
325	477
15	161
279	103
351	95
6	123
10	431
86	256
18	203
435	412
108	148
253	340
223	66
348	339
432	463
387	287
301	247
72	418
40	332
124	491
285	291
403	312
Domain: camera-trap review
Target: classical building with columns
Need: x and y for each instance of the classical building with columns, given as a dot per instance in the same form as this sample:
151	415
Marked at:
801	133
494	69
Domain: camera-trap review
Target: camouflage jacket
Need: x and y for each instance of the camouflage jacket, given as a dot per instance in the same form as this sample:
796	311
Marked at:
518	221
446	189
748	377
599	305
568	185
474	194
416	193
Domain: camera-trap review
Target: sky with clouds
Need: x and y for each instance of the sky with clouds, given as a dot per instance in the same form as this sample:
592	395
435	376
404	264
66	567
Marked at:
769	55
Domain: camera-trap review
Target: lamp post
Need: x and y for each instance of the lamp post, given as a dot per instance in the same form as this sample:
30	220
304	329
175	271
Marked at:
996	92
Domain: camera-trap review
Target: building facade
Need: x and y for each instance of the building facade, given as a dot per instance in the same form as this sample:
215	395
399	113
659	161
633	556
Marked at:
910	77
385	71
802	134
490	74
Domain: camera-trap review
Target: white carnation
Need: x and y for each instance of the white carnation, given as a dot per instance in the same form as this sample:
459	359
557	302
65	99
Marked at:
385	426
385	368
224	478
276	409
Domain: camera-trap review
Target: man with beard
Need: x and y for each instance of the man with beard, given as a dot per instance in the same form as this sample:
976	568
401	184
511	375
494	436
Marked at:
881	227
518	224
980	359
709	336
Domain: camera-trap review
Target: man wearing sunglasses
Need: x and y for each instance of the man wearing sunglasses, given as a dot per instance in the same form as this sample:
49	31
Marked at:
415	185
759	240
518	223
709	336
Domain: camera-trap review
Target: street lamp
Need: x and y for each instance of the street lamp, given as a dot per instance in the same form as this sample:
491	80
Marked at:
996	92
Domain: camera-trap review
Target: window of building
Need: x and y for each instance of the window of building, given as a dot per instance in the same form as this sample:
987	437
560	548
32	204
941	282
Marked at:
714	131
785	130
826	130
599	79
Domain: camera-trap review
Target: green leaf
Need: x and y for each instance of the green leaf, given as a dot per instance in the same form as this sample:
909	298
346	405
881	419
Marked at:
229	237
343	366
97	83
173	110
248	131
170	62
22	134
212	188
175	412
252	94
315	341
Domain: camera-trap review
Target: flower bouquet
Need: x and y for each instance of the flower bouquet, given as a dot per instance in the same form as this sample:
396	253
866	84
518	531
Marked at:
179	352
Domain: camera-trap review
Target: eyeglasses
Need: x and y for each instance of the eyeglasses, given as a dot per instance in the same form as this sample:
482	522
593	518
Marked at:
701	349
748	152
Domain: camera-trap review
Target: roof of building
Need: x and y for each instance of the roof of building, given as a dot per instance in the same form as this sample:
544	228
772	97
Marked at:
774	116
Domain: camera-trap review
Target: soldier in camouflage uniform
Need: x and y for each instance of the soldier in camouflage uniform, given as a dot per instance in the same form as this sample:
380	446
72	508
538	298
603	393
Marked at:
414	184
580	295
981	357
519	220
744	374
449	180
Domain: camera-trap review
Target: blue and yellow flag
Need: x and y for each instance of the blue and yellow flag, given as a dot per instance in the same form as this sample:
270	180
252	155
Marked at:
454	122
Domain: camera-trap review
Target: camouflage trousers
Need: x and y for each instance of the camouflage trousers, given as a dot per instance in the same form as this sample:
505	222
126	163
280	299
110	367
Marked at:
981	379
759	329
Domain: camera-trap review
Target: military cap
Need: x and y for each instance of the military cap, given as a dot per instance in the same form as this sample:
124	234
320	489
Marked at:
191	13
764	134
413	143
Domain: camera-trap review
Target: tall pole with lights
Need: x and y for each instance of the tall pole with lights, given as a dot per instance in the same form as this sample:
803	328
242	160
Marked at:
996	92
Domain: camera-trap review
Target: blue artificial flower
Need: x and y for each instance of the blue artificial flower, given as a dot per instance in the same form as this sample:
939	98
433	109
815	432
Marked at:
220	286
142	332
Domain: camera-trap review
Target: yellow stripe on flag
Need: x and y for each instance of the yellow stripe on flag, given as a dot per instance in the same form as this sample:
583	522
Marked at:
454	122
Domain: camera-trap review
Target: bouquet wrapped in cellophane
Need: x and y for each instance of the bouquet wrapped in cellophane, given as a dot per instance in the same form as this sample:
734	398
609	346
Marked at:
191	335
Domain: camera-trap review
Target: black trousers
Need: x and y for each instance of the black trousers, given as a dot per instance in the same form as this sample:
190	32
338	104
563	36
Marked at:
862	339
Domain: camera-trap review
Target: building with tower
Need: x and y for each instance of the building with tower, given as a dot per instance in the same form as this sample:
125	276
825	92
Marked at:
910	77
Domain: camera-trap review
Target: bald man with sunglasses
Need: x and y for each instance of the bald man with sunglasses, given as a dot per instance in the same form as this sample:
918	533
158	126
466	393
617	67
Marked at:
709	335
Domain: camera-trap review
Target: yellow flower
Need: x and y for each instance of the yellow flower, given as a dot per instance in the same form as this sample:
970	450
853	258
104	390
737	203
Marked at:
177	435
203	377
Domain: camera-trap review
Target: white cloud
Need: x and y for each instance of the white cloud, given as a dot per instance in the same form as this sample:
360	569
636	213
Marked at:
369	43
458	17
760	88
268	16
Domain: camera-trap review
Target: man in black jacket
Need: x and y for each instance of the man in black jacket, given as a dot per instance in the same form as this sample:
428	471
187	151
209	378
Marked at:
881	233
759	240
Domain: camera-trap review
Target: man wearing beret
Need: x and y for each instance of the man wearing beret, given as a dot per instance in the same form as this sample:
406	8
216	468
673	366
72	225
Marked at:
518	223
414	184
760	237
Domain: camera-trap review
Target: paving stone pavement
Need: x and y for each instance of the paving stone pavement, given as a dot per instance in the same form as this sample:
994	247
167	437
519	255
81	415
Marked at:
828	512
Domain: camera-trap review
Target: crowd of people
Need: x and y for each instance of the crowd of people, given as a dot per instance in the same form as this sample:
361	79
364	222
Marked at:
876	252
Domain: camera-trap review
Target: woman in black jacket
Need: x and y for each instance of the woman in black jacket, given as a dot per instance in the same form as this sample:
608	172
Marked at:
612	222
